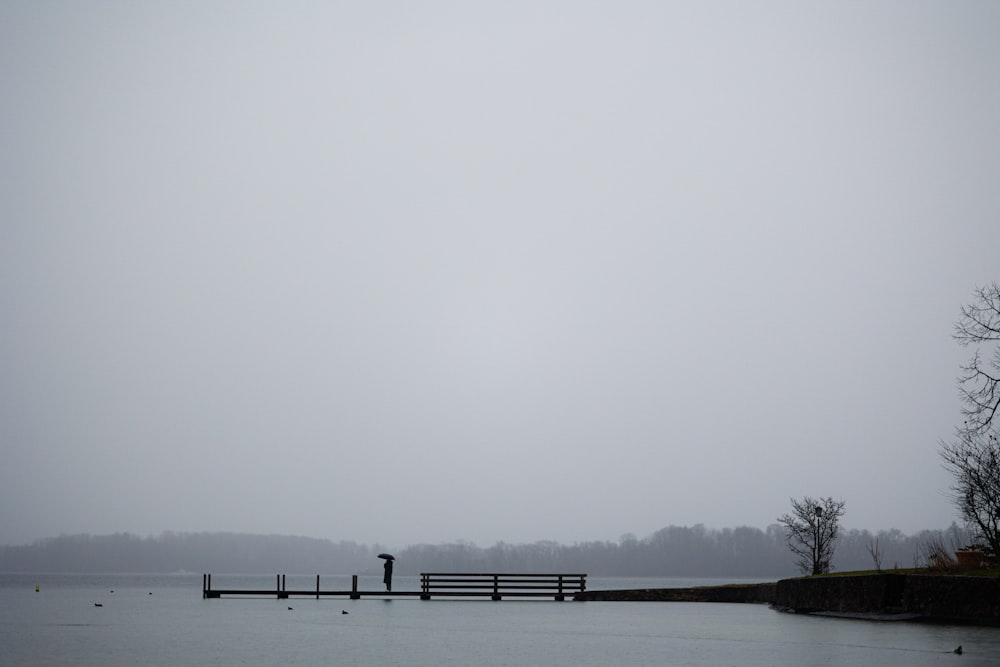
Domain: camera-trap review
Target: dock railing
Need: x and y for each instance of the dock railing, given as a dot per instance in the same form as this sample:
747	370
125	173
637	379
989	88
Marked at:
498	586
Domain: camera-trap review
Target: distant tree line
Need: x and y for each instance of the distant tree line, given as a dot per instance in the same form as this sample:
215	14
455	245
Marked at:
674	551
681	551
185	552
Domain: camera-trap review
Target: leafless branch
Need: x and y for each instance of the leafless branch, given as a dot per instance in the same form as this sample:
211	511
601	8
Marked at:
979	384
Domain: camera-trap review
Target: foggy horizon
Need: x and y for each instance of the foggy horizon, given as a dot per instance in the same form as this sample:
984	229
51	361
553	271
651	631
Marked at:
419	273
383	544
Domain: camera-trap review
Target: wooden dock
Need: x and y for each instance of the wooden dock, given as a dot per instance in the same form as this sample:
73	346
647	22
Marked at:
494	586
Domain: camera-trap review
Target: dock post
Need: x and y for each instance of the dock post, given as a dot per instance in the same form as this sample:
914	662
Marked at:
204	585
560	597
425	586
354	588
317	586
496	587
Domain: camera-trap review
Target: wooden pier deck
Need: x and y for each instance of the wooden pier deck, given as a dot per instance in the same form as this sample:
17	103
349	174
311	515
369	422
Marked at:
495	586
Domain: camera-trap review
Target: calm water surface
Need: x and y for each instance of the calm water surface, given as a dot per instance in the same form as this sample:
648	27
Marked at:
162	620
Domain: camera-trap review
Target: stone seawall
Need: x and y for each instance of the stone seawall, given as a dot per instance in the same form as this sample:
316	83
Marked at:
932	597
762	593
880	596
875	594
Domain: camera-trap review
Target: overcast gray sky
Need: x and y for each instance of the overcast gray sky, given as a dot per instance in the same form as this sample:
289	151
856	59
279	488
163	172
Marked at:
407	272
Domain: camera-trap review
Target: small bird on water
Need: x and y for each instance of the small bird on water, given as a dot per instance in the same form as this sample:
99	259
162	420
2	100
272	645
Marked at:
343	611
958	650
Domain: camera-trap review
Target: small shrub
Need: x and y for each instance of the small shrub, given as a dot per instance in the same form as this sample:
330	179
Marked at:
937	556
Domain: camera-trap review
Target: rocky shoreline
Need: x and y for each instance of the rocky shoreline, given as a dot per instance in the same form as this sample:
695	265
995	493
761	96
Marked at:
888	596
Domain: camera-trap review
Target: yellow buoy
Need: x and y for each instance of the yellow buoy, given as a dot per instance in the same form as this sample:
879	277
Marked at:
37	588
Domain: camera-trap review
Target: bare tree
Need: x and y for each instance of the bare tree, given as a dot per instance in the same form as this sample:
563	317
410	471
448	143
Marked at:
979	384
876	553
974	462
973	457
811	531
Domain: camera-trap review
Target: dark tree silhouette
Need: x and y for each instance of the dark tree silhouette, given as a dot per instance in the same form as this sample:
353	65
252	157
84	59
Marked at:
973	457
974	462
811	532
979	385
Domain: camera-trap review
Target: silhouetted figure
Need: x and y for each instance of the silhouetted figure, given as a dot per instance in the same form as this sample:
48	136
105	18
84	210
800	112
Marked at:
387	579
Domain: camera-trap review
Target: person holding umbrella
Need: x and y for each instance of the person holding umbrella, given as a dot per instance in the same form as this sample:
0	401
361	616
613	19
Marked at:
387	578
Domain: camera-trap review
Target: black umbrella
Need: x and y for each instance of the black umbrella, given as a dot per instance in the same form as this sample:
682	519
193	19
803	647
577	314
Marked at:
387	556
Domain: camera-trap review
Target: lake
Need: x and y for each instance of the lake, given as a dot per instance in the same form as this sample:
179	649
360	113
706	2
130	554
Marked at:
163	620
